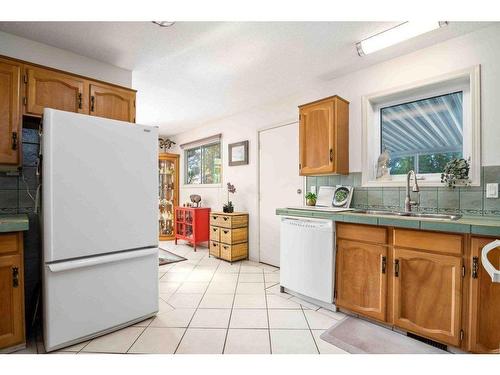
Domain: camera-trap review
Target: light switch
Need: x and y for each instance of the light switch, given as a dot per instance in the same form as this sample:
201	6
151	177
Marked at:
313	189
492	190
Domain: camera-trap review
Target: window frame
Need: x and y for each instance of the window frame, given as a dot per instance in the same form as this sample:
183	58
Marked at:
466	80
201	146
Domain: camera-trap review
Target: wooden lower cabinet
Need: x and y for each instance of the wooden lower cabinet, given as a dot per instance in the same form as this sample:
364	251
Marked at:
431	284
11	291
362	278
484	302
427	294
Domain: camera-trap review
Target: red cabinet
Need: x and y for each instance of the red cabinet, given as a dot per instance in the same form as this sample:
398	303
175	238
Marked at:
192	224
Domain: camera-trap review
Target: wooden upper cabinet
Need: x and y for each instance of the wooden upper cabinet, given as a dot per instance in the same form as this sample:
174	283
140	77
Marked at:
484	302
10	115
112	102
46	88
324	137
362	278
427	294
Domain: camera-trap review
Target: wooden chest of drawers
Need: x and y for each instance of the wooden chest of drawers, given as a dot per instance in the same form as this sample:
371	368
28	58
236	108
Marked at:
229	235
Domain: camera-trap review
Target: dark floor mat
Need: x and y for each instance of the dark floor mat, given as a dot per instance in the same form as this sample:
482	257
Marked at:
166	257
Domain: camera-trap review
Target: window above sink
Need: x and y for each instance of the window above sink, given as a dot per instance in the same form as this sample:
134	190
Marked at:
423	126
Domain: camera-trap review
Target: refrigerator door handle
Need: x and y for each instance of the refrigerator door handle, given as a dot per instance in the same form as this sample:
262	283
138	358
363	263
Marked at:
96	260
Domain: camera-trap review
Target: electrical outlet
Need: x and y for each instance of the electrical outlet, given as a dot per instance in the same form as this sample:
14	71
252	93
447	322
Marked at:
492	190
313	189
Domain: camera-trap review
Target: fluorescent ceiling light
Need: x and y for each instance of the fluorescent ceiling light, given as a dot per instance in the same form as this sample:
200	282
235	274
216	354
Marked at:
395	35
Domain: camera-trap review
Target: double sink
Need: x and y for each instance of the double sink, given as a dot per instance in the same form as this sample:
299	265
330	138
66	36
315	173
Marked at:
419	215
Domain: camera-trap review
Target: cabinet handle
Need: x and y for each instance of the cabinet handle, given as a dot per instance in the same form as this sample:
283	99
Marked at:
14	141
331	154
475	267
214	217
92	101
225	231
214	229
396	268
225	218
225	247
384	264
15	277
80	100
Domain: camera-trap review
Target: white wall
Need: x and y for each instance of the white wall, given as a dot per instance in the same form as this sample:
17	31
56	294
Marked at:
43	54
480	47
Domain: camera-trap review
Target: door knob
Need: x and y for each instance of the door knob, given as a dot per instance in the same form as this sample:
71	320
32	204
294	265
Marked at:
299	191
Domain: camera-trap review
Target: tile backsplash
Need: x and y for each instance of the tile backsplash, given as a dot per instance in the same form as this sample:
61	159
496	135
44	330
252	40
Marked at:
14	198
465	200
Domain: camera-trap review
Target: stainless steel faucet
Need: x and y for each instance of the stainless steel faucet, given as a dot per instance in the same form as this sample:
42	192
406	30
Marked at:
408	202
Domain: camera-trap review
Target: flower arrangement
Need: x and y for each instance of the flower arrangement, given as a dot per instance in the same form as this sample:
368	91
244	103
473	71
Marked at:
228	207
456	172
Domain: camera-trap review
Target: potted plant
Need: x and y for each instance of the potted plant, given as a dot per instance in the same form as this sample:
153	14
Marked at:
311	199
456	172
228	207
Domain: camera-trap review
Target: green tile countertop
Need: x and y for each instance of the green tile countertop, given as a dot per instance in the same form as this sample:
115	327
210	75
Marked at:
480	225
14	223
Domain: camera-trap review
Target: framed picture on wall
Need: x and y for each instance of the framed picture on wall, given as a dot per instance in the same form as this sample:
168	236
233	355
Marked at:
238	153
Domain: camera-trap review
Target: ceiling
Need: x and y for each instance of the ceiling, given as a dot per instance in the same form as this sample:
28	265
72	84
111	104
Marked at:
196	72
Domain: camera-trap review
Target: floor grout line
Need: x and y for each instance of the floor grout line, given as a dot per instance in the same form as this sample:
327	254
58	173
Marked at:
310	330
268	321
232	308
140	334
198	306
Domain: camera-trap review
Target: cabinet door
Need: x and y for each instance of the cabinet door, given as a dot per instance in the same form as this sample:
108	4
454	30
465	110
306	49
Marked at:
11	301
10	116
168	166
484	300
427	294
362	278
316	139
50	89
112	102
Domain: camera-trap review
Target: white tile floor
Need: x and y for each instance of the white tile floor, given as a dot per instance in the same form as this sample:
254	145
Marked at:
211	306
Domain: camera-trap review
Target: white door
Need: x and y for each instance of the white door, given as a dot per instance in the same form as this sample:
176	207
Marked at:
280	185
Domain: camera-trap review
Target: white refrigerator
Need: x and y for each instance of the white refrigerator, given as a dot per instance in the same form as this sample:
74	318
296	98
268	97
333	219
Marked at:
100	233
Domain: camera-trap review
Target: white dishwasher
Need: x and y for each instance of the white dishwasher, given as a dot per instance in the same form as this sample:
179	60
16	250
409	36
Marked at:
307	257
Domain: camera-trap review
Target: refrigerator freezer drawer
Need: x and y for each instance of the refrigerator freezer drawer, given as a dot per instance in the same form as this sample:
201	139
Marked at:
85	301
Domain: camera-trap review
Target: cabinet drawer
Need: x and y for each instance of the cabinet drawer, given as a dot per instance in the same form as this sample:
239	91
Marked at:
431	241
229	221
233	252
214	233
215	220
214	249
233	236
10	242
361	232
